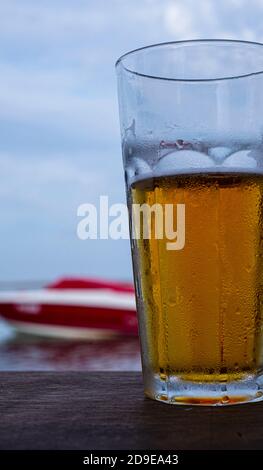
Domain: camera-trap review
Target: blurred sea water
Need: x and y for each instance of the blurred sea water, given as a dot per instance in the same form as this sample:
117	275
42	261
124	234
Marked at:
23	352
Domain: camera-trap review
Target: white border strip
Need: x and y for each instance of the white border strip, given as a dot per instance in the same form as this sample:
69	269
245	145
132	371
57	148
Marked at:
76	297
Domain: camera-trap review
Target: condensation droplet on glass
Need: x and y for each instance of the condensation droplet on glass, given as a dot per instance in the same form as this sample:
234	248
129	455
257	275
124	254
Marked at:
225	399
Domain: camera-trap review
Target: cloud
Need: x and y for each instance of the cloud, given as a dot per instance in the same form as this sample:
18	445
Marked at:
71	21
177	20
52	97
48	19
52	184
236	19
38	203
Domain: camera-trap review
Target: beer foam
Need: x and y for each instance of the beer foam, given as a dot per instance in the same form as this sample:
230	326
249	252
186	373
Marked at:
192	161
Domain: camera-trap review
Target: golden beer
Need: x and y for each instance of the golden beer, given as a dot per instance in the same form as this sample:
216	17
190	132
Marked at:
201	318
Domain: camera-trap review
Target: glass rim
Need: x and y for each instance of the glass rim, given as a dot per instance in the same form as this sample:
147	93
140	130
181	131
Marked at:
120	60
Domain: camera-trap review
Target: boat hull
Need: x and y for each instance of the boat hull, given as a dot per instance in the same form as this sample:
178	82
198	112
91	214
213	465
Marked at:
70	314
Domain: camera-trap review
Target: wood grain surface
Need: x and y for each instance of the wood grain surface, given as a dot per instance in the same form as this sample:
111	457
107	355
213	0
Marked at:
97	410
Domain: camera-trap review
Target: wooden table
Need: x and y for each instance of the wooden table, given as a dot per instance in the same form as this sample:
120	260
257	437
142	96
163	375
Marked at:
88	410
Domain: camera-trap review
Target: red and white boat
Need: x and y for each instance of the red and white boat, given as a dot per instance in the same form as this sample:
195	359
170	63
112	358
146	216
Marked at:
72	308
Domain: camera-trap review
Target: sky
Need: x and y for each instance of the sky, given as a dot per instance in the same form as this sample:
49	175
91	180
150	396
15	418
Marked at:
59	128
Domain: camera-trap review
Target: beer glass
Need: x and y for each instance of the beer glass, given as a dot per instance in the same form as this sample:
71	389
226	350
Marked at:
191	117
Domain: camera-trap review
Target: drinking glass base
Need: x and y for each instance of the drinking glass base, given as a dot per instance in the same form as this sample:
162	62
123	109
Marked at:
176	391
